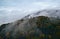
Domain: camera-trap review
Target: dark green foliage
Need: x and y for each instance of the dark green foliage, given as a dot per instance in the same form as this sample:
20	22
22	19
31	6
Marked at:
48	27
3	26
45	29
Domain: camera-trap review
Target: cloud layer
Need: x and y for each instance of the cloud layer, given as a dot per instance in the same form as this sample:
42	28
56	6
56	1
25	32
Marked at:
11	10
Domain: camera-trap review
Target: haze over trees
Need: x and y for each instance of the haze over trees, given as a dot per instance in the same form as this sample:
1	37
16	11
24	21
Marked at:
39	27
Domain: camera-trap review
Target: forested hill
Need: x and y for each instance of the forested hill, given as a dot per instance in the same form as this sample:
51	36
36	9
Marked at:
40	27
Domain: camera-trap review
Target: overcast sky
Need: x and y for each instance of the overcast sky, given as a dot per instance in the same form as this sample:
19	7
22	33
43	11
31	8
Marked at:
11	10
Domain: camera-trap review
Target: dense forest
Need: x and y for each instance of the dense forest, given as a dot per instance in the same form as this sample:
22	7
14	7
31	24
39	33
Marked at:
46	28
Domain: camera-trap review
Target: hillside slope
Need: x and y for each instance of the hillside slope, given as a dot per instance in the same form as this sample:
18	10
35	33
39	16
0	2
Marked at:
34	26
